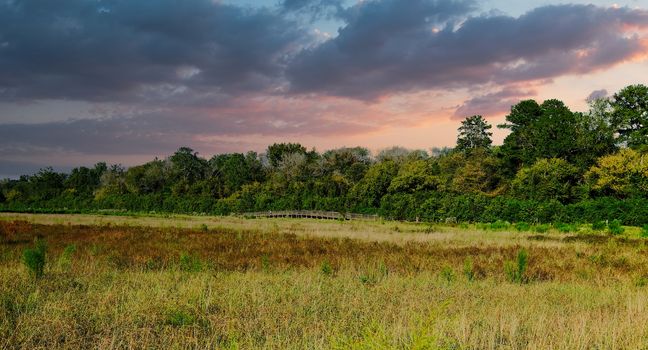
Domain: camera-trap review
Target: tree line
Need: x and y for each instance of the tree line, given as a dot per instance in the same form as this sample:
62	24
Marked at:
555	165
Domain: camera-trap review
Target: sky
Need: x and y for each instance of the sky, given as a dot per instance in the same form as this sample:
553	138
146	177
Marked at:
125	81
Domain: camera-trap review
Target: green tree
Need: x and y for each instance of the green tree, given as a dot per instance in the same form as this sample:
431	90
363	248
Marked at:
85	181
474	133
276	152
368	192
540	131
148	178
547	179
630	115
414	176
623	174
187	166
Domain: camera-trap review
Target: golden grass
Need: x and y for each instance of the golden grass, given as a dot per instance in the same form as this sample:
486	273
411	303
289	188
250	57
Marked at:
261	284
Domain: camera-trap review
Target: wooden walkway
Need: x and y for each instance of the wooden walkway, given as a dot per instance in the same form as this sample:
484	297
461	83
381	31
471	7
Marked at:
310	214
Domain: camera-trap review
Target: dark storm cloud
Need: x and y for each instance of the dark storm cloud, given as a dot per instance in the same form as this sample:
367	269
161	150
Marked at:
110	50
389	46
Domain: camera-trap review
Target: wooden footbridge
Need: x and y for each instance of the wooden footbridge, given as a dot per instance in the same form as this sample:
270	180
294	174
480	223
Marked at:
310	214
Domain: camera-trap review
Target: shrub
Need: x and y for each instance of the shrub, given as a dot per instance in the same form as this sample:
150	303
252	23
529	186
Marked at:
447	274
515	272
615	227
468	269
566	228
544	228
65	260
34	258
644	231
179	318
265	262
599	225
499	225
522	226
326	268
190	263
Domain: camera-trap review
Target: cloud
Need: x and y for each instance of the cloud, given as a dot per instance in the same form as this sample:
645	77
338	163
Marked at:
493	104
122	50
597	94
162	130
390	46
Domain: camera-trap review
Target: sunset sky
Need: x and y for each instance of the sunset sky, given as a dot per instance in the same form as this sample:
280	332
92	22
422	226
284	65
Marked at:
125	81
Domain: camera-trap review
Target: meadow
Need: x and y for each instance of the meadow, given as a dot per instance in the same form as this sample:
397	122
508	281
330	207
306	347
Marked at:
234	283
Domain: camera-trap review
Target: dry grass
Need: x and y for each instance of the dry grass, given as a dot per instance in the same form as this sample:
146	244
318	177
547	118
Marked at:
262	284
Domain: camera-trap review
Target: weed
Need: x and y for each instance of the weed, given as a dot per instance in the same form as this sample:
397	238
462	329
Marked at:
34	258
265	262
644	231
565	228
599	225
326	268
500	225
179	318
522	226
615	227
190	263
516	272
468	269
65	260
447	274
641	281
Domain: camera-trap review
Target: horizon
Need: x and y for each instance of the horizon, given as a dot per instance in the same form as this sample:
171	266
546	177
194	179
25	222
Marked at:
125	82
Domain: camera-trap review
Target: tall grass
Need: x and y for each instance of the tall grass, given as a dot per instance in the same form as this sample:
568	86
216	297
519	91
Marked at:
286	286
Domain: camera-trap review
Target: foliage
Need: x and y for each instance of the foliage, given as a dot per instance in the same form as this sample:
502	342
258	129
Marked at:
630	115
615	227
34	258
65	260
623	174
473	134
547	179
516	272
556	165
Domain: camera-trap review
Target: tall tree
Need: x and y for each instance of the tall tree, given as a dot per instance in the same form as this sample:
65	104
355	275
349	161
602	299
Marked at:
473	134
539	131
630	115
276	152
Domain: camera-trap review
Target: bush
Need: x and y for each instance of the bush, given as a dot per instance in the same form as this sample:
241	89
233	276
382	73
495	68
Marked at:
615	227
515	272
65	260
469	270
644	231
34	258
544	228
179	318
499	225
447	274
566	228
598	225
326	268
522	226
190	263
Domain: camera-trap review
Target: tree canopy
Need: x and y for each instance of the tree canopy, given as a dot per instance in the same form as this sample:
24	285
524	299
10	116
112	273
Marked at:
555	164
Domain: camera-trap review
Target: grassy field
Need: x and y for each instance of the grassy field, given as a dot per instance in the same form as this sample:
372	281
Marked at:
208	282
